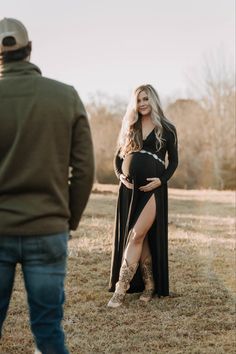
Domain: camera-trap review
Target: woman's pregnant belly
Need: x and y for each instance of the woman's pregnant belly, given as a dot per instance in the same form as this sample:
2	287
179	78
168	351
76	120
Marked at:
139	166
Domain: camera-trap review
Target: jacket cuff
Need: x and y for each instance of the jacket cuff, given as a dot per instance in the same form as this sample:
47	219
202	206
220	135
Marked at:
73	225
162	179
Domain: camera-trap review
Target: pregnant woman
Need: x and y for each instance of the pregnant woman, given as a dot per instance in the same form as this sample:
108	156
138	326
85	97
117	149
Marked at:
140	249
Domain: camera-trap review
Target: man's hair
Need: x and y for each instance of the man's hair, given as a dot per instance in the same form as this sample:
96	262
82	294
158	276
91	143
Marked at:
14	55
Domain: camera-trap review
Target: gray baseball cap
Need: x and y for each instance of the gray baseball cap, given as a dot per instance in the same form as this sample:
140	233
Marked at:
10	27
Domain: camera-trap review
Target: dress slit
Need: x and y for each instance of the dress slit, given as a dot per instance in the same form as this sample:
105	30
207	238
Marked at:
136	214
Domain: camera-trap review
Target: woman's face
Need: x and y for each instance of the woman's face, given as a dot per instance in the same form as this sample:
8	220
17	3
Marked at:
143	105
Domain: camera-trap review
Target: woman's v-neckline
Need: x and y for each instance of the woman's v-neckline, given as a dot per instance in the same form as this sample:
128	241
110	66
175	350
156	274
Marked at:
148	134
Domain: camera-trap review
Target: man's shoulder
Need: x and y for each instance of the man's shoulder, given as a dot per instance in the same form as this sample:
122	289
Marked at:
56	85
56	90
59	92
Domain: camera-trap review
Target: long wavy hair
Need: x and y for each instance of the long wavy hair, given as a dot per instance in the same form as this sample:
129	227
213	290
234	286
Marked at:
130	137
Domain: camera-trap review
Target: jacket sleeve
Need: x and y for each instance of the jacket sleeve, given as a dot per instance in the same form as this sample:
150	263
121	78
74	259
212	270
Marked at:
172	150
117	165
81	163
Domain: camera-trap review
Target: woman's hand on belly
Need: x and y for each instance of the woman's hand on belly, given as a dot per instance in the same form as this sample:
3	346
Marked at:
125	182
155	183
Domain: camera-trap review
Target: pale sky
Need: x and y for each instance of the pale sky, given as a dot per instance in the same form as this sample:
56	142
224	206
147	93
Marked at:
114	45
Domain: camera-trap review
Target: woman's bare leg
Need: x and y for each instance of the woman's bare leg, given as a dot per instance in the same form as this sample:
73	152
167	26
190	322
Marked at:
133	251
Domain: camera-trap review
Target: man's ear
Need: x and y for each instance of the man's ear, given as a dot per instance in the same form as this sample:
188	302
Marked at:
30	49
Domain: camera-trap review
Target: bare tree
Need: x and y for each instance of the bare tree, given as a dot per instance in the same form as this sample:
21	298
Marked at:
215	90
219	101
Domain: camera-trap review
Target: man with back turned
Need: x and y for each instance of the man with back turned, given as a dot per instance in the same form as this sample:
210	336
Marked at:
44	132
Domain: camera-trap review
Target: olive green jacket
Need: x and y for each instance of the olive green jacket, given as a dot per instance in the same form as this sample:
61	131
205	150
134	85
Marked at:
44	132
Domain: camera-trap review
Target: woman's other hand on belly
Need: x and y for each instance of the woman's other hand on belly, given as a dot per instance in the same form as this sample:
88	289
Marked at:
123	179
155	183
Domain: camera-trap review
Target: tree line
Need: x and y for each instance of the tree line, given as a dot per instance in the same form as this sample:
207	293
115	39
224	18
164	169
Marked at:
206	135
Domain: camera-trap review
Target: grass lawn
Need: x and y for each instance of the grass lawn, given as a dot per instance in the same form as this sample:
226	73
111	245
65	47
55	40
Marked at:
199	319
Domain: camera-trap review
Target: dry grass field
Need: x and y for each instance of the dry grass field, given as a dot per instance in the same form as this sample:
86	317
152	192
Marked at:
198	319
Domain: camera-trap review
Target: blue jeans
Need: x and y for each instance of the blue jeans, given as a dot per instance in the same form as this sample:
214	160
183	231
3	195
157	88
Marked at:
43	262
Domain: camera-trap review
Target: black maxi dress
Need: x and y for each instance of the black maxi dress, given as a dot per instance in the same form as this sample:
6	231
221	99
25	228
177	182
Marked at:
137	166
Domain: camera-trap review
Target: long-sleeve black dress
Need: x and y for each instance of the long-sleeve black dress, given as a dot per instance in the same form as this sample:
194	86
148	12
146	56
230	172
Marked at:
137	166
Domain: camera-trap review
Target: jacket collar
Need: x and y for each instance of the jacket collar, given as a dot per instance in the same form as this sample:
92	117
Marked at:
19	68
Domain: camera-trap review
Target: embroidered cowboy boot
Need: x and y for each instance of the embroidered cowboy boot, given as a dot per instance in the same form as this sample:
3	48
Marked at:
146	270
126	274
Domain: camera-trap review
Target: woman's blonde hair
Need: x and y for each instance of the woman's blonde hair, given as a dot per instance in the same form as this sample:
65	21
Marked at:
130	137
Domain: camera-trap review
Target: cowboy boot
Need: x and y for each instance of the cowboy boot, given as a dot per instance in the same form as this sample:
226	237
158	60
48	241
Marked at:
146	270
126	274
